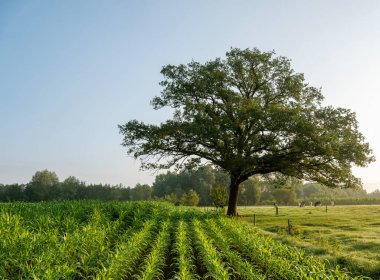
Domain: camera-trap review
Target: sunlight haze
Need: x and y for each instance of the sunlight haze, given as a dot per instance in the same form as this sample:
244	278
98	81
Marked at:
71	71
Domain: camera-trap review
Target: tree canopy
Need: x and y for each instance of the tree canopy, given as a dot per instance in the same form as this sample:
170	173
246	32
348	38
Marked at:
249	113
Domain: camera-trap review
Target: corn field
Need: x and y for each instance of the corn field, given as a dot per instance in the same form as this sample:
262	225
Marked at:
142	240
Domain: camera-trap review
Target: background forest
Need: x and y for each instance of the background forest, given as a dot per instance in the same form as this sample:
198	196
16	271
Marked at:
204	186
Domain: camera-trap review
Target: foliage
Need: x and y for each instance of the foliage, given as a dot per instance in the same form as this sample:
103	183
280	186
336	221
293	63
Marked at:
375	193
241	268
189	199
210	257
172	186
45	178
13	192
249	114
155	261
184	258
42	184
141	192
172	198
284	196
311	190
199	179
45	186
219	196
250	191
280	181
142	240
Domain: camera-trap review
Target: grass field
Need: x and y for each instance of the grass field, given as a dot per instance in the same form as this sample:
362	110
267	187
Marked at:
143	240
345	235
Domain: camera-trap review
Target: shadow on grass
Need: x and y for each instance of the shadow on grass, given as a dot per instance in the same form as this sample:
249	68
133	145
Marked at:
365	246
350	228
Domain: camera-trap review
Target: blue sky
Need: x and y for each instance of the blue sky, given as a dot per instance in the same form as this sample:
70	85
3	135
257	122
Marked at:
71	71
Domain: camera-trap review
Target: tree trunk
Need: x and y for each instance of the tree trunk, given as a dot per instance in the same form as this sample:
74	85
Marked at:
232	199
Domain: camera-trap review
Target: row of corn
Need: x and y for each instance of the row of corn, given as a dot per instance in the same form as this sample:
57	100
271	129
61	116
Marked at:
142	240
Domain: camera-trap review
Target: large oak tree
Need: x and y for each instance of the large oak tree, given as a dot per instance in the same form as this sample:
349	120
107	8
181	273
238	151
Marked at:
249	113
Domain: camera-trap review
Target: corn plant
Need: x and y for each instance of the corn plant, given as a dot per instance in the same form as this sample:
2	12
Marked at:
184	258
155	261
242	268
210	257
82	251
117	240
128	253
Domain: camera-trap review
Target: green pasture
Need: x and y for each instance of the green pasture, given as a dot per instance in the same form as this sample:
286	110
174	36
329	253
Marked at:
345	235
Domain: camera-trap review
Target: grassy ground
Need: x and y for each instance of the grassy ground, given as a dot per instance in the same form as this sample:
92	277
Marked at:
347	235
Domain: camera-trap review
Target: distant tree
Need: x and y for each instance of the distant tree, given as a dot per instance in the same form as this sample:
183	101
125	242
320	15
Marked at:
71	181
219	196
190	198
14	192
249	114
166	184
141	192
280	181
375	193
172	198
45	178
97	192
120	193
284	196
252	190
2	192
43	186
199	179
70	188
183	199
311	190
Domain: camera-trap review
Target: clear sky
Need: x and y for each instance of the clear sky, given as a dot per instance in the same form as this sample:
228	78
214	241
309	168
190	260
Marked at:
71	71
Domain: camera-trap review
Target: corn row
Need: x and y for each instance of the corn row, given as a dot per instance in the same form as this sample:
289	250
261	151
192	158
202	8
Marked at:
128	253
242	268
155	261
210	257
18	244
275	265
97	240
88	247
82	252
278	268
183	252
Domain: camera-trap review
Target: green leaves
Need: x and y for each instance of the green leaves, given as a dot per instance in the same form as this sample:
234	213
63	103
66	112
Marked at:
81	240
184	258
249	114
210	257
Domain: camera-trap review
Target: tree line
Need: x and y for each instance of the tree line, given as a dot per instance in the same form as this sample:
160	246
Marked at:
203	186
45	185
212	185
